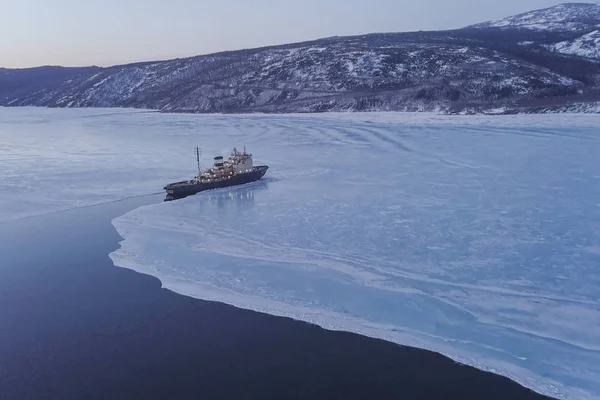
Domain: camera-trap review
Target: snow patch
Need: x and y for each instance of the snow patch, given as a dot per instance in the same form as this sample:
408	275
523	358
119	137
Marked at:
587	45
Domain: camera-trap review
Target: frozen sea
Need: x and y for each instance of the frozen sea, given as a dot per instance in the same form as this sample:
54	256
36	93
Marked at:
474	236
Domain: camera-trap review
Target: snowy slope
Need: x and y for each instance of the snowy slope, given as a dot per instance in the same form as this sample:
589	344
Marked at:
581	20
587	45
563	17
477	68
381	72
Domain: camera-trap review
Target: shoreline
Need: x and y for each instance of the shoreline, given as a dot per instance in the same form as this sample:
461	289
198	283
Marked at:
95	330
591	107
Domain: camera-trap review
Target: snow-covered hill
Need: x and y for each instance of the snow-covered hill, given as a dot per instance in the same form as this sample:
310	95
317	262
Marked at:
477	68
579	20
564	17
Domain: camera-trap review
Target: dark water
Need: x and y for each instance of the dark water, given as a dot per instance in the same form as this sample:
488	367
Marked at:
74	326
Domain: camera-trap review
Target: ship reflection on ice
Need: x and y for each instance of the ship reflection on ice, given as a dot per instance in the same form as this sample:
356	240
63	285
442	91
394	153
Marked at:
220	197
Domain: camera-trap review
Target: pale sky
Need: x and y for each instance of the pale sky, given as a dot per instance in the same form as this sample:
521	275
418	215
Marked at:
108	32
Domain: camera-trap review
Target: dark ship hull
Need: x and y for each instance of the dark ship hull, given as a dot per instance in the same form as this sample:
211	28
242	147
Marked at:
188	188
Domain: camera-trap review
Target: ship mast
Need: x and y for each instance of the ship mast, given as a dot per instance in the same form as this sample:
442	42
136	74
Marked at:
198	160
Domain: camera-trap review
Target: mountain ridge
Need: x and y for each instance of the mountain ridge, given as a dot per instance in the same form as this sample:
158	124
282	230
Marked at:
480	68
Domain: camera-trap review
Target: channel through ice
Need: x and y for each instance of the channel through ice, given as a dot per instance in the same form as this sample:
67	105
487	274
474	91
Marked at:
474	236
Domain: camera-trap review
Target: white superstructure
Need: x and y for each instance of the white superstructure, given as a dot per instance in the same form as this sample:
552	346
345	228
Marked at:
241	162
237	163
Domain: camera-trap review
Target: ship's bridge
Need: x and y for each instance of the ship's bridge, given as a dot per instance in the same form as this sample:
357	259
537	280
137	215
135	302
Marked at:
240	161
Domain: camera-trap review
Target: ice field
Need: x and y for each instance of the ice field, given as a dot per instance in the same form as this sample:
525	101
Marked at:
474	236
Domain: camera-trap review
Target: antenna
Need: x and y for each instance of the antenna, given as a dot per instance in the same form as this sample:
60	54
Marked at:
198	159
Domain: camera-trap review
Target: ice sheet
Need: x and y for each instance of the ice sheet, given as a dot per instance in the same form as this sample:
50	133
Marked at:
475	236
54	159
